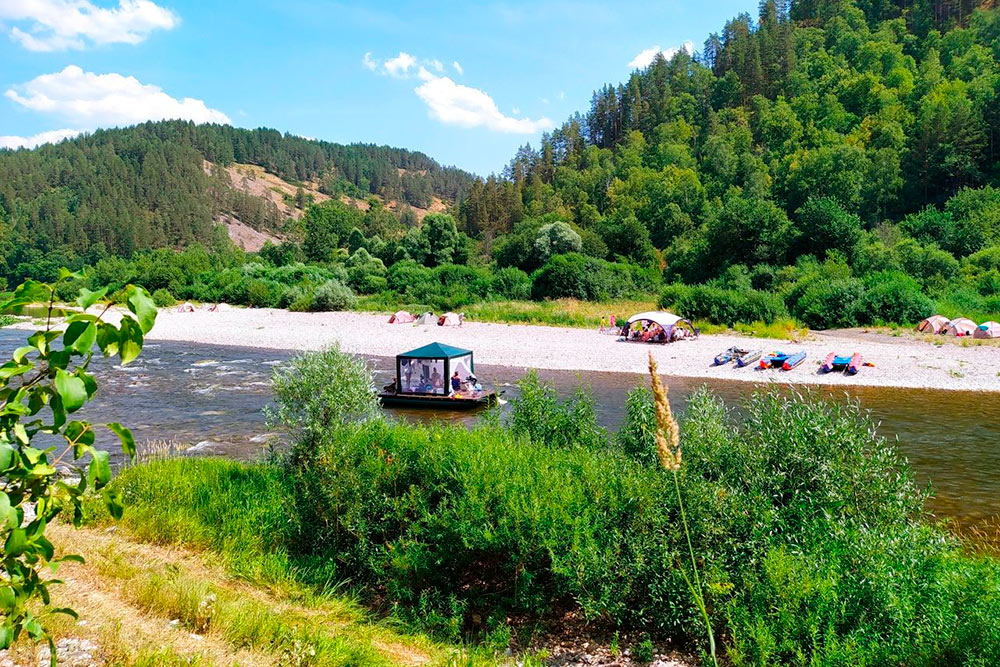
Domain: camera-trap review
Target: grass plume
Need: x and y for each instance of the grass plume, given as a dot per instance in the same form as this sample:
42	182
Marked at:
668	450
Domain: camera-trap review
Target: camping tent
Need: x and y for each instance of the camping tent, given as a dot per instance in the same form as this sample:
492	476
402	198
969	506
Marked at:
934	324
450	320
428	369
673	326
401	317
963	326
185	307
987	330
426	318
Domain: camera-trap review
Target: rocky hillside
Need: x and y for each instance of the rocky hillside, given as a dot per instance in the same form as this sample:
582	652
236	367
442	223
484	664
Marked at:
168	184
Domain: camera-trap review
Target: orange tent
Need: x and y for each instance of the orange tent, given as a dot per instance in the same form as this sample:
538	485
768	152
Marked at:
963	326
934	324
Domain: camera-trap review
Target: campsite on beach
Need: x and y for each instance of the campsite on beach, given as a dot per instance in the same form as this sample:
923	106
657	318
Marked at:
906	360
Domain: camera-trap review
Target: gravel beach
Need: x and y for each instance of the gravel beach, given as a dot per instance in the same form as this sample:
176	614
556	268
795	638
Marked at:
903	361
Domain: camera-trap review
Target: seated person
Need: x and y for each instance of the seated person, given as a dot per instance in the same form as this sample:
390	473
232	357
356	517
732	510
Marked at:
437	381
456	383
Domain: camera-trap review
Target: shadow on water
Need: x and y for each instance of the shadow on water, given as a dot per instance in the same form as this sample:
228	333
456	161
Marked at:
212	397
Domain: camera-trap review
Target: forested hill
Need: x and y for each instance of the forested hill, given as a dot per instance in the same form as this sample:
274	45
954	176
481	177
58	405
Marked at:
814	127
165	184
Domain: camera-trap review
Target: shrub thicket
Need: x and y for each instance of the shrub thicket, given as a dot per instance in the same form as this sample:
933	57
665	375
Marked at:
807	527
723	306
582	277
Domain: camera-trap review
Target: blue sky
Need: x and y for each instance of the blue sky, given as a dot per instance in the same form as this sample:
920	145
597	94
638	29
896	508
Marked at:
373	72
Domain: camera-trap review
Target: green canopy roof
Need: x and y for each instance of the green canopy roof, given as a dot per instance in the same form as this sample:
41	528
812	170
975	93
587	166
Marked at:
434	351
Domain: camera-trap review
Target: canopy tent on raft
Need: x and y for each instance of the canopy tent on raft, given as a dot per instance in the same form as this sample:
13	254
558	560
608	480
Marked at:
673	326
426	318
934	324
963	326
402	317
428	369
987	330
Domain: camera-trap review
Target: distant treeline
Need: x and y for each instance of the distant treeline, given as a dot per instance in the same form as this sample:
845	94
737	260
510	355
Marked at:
835	162
118	191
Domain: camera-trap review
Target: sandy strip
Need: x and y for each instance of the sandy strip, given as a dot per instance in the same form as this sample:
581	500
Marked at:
899	362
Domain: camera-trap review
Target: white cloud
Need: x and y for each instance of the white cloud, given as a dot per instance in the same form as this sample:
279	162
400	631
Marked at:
369	62
458	68
455	104
57	25
92	100
646	56
516	111
50	137
400	65
436	64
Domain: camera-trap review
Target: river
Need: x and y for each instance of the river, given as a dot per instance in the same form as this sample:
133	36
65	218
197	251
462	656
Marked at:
212	397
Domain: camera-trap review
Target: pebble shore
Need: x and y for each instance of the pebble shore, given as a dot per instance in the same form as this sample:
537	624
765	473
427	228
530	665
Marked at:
898	361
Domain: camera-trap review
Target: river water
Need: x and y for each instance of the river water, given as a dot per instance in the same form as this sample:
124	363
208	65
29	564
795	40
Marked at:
212	397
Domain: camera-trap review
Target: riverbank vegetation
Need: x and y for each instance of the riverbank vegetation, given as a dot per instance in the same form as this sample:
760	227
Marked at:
149	606
807	528
831	163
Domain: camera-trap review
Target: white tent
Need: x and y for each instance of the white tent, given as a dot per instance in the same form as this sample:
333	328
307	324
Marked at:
663	318
963	326
989	329
673	326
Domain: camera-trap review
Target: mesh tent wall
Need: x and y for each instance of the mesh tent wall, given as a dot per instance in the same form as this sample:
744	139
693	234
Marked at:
428	369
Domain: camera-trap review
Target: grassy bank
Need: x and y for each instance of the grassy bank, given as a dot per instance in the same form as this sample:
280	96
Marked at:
807	528
168	605
582	314
205	549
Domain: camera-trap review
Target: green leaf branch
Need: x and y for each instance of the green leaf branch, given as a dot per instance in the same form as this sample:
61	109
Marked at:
42	384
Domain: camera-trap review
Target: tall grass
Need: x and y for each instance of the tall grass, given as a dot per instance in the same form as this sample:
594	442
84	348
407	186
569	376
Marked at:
668	451
241	511
802	530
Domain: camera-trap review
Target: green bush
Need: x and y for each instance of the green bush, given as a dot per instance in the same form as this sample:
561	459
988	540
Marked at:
894	297
826	304
163	298
302	303
637	435
538	414
260	294
333	295
671	295
510	283
406	275
317	391
723	306
581	277
807	525
365	273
